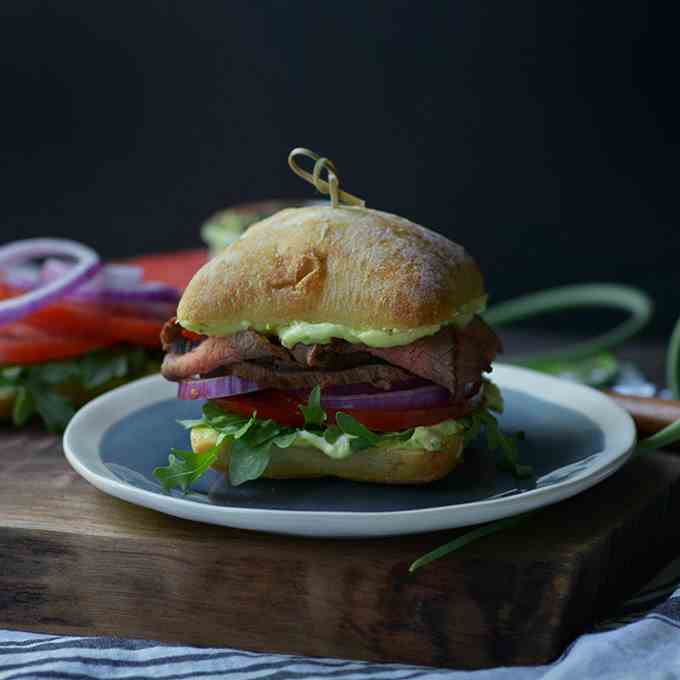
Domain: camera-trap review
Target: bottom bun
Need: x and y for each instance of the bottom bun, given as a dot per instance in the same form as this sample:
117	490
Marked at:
382	465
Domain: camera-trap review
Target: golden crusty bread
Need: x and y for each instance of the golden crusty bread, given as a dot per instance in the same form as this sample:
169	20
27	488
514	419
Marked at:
353	266
382	465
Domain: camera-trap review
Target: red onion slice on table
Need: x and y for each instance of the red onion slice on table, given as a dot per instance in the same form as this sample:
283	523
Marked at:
19	252
115	283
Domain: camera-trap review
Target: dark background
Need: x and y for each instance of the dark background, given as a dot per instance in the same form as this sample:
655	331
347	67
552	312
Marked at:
543	136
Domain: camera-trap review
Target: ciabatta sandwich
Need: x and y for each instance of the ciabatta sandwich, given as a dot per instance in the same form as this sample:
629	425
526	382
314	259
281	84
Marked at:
338	341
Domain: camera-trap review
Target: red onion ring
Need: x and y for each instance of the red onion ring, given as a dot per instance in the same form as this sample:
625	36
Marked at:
87	265
429	396
359	396
213	388
115	283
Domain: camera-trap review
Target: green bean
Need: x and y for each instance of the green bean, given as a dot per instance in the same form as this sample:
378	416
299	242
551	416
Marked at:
673	362
632	300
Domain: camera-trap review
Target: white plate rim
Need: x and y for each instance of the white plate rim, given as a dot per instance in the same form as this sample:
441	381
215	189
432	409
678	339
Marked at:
83	436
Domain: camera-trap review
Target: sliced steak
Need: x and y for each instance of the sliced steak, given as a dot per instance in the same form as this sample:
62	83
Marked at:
483	337
170	332
331	357
313	356
214	352
452	357
380	375
173	340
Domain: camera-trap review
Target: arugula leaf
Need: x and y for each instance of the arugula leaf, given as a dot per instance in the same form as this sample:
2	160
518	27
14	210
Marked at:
55	372
263	432
55	409
352	426
508	445
248	462
243	429
313	412
222	421
179	470
24	407
212	411
284	441
10	374
184	467
96	370
473	430
55	389
249	456
509	460
332	433
138	361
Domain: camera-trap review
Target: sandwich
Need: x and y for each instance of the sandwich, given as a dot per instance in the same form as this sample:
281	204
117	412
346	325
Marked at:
225	226
66	340
334	341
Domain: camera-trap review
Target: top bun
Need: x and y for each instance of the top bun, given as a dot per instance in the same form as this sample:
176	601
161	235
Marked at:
347	265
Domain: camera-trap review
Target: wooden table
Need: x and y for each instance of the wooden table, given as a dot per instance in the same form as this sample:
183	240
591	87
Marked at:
73	560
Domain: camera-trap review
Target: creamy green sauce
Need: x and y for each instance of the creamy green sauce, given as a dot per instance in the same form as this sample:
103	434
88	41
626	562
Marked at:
322	333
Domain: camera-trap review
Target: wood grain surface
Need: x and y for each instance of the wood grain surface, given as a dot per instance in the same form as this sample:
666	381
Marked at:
73	560
650	414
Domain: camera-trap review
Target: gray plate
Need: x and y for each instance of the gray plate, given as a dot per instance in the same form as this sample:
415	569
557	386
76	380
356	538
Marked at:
570	436
575	437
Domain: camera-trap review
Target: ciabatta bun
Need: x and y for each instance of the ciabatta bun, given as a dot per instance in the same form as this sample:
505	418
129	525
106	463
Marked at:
353	266
382	465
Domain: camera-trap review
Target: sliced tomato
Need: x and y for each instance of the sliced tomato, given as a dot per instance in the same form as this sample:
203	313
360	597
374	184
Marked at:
91	321
275	404
136	331
23	344
75	328
283	407
394	421
6	291
175	269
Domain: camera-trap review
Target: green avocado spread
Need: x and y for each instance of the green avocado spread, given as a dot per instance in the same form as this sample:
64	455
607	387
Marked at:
322	333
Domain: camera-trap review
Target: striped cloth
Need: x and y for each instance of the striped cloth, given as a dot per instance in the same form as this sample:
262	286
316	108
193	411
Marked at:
648	648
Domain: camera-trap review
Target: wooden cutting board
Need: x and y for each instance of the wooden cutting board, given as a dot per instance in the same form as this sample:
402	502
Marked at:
75	561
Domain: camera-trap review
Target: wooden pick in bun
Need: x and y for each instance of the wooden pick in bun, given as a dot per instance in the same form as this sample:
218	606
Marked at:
376	311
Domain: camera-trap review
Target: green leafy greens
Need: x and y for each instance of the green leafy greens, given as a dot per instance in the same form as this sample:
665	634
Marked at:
250	440
55	389
313	413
